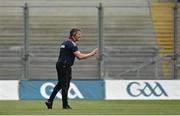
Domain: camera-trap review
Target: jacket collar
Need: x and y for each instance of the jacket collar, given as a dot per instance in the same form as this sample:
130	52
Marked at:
72	39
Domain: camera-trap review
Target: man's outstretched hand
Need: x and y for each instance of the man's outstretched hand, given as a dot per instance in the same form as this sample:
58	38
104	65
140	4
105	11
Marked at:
94	52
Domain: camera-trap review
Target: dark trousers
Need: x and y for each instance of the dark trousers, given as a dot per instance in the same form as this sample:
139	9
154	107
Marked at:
64	78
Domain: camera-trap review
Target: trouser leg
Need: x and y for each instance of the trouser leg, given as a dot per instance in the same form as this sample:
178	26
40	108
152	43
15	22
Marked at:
65	86
58	85
65	94
55	91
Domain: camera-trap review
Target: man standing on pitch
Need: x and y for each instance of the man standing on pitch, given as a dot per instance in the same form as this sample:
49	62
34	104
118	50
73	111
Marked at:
68	52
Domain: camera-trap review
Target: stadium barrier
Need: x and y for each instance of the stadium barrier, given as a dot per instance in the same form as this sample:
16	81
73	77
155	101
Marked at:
79	89
9	90
92	89
142	89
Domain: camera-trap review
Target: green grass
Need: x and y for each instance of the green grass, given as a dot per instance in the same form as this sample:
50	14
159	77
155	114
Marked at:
92	107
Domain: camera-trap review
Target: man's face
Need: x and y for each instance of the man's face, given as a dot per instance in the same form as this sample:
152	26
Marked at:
77	36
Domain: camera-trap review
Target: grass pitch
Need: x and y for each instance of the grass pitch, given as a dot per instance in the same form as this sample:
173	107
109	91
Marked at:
92	107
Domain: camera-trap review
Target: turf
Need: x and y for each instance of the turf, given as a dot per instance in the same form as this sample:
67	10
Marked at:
92	107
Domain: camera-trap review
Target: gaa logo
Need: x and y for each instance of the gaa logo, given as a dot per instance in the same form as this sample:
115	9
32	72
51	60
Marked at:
73	92
136	89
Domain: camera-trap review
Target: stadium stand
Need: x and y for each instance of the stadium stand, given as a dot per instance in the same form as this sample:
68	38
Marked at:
130	42
11	41
129	37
